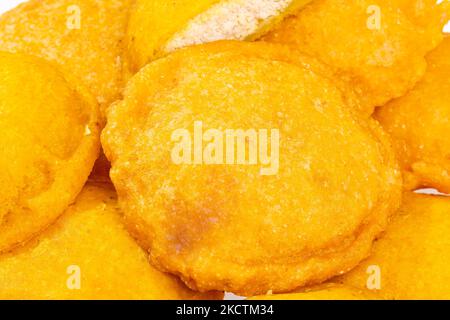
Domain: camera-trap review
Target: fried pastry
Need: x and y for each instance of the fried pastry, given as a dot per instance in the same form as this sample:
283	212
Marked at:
329	291
87	254
411	260
158	27
50	140
84	37
419	124
243	169
378	47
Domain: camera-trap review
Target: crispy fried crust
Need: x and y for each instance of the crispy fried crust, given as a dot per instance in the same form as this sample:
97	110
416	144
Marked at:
329	291
378	47
91	50
50	140
88	241
223	227
419	124
157	27
412	256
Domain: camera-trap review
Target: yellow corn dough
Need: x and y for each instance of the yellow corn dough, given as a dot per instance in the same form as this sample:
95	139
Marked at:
87	254
419	124
411	260
85	37
227	226
158	27
49	142
324	292
377	46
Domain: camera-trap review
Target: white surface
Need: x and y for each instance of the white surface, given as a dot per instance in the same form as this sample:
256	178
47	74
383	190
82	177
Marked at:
5	5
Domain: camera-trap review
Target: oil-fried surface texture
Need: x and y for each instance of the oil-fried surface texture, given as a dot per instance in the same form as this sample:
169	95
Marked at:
88	241
91	50
159	26
323	292
413	254
420	124
227	227
380	58
50	140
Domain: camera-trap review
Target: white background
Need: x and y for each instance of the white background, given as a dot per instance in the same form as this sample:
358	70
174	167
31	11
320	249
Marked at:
9	4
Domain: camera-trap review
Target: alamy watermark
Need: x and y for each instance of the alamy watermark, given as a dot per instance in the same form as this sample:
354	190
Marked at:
227	147
73	21
74	279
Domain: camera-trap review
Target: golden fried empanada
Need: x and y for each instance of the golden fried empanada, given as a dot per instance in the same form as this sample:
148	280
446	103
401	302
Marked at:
87	254
50	138
411	259
243	169
419	124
